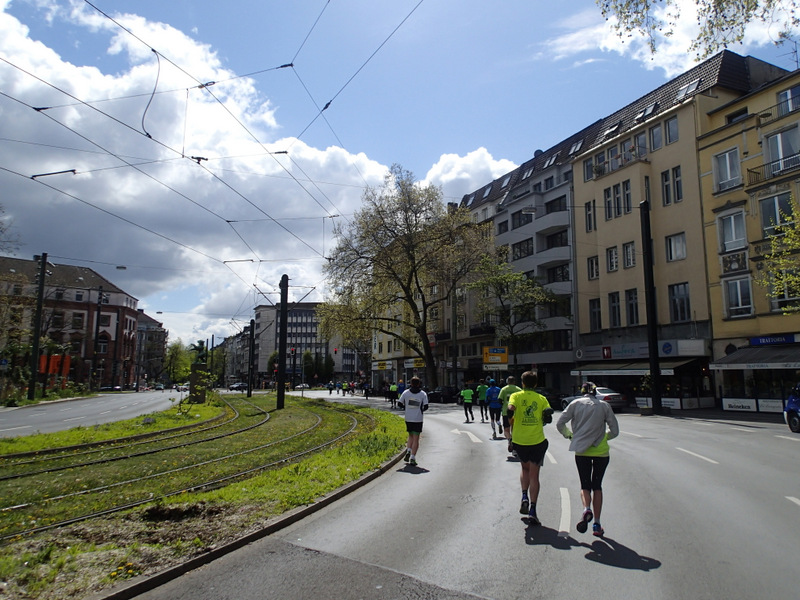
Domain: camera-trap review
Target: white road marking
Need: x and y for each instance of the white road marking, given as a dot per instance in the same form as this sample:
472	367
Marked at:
742	429
551	458
704	423
563	526
698	456
793	499
633	434
105	412
786	437
15	428
471	435
74	419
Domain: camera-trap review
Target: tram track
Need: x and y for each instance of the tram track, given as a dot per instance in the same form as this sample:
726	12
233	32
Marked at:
45	513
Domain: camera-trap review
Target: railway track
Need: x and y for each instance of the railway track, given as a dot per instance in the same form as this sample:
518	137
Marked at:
44	498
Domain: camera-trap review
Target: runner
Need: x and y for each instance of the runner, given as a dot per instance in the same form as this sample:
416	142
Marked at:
414	401
481	391
529	412
505	393
495	407
466	394
590	416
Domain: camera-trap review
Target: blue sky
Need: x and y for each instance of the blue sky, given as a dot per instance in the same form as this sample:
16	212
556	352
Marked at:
457	91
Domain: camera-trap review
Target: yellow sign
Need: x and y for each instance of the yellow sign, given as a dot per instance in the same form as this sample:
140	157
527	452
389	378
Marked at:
497	355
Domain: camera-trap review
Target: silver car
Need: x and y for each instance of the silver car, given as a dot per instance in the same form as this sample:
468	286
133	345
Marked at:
616	400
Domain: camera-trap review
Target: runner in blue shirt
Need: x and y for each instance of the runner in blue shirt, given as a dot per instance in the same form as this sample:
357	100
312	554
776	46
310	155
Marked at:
495	407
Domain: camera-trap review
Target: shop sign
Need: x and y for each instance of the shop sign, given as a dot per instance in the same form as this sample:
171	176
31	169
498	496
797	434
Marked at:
414	363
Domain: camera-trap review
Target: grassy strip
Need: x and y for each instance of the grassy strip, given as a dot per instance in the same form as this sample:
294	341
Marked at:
84	558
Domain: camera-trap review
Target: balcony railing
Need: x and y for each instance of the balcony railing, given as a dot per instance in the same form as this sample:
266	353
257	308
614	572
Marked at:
773	113
773	169
482	329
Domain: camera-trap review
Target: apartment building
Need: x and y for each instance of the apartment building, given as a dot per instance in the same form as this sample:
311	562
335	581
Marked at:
749	157
88	326
648	151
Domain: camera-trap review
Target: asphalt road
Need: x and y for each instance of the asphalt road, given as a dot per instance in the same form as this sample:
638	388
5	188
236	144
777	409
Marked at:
695	508
58	415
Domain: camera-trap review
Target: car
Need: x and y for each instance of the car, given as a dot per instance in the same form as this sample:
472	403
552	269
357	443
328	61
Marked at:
554	397
791	412
110	388
182	387
239	385
615	399
159	386
443	394
302	386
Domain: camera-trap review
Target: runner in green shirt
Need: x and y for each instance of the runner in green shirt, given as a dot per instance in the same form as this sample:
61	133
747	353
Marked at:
467	394
505	393
529	413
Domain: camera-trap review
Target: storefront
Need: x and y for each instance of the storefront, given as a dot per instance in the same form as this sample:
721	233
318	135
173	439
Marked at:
759	377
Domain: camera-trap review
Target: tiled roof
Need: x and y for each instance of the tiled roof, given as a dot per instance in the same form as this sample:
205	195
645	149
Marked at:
66	276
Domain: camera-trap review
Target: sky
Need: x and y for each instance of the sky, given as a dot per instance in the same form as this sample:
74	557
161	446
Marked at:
211	147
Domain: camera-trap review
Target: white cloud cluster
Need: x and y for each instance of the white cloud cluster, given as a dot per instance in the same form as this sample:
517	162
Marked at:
459	175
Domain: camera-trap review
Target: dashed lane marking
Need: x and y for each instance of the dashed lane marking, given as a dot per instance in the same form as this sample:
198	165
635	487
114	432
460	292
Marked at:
551	458
786	437
793	499
698	456
633	434
563	526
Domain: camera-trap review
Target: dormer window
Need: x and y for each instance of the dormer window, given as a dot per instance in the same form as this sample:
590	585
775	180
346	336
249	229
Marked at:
487	191
687	89
527	173
505	181
646	112
549	162
471	200
612	130
575	147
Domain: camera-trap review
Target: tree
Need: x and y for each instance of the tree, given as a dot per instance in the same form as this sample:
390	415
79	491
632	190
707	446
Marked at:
722	22
780	274
510	299
8	240
402	256
178	363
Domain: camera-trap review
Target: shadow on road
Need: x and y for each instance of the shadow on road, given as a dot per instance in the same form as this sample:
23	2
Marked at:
612	553
414	470
546	536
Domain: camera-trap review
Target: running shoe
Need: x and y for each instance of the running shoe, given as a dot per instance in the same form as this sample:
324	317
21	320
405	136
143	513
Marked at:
524	507
500	430
407	456
597	530
510	446
586	518
413	462
533	519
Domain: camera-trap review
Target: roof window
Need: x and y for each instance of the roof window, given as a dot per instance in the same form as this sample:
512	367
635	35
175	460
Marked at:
687	89
575	147
646	112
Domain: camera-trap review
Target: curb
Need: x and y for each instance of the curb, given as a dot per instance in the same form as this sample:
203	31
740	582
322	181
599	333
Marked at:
144	583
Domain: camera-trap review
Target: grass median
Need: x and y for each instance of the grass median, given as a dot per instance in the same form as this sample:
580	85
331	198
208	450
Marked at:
80	559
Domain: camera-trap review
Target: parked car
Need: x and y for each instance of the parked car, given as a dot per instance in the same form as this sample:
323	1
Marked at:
302	386
182	387
616	400
554	397
159	386
111	388
443	394
239	385
791	411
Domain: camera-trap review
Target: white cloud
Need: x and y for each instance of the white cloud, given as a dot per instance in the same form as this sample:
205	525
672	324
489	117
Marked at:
459	175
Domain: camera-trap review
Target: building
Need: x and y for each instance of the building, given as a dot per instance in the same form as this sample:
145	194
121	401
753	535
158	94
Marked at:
151	350
749	155
86	320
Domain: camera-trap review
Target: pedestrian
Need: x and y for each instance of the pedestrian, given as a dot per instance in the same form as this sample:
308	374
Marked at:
393	395
495	407
481	391
505	393
529	412
466	395
330	387
414	401
593	424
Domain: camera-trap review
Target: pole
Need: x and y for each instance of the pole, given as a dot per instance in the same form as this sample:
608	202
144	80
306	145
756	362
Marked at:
37	327
454	329
97	333
650	299
251	358
284	317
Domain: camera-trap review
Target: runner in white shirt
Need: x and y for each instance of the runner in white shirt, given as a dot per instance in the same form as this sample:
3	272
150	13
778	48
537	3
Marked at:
414	401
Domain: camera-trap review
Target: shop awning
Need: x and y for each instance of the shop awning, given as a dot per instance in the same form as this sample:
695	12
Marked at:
761	357
667	366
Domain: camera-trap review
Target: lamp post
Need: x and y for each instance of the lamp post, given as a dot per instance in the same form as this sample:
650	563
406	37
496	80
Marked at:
37	327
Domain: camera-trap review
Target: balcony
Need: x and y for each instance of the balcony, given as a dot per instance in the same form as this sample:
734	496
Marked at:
773	113
441	336
771	170
482	329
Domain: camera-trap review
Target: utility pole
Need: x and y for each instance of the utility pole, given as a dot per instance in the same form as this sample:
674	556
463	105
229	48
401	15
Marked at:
251	358
650	300
97	335
284	317
37	327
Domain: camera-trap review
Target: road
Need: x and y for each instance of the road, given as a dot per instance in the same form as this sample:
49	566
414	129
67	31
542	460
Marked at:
695	508
58	415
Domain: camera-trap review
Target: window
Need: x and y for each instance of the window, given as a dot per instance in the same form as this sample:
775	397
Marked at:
739	115
617	199
522	249
59	294
557	205
646	112
727	172
487	191
505	181
632	307
549	162
671	130
502	227
600	163
612	259
557	240
57	321
783	151
519	218
614	318
613	158
785	291
607	202
629	255
687	89
640	144
789	100
559	273
77	320
679	309
102	346
575	147
105	320
775	212
588	169
591	215
549	183
731	231
655	137
676	247
627	200
537	187
527	172
671	186
627	150
593	267
738	300
17	290
595	315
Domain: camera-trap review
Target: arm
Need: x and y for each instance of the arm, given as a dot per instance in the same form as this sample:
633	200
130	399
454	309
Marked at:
611	421
563	419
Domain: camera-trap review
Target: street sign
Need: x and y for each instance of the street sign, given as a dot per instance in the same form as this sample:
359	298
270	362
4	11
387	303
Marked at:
495	355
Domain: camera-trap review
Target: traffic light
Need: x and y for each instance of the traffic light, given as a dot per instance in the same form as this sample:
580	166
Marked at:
335	350
292	350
